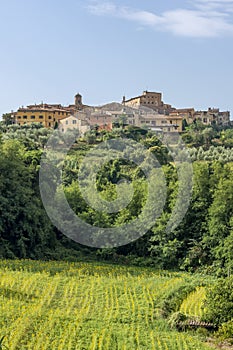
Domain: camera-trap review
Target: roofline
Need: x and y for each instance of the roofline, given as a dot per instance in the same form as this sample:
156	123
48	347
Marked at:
153	92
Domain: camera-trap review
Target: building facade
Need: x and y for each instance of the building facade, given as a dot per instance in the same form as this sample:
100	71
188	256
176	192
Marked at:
141	118
152	100
47	114
73	122
209	117
213	116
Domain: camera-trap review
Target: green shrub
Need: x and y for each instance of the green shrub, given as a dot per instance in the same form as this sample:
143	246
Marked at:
219	301
226	331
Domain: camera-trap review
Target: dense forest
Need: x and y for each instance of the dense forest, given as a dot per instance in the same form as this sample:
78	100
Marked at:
203	240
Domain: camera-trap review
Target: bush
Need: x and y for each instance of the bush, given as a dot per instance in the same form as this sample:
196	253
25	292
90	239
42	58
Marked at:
226	331
219	302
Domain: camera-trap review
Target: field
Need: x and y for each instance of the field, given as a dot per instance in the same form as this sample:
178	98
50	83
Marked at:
66	306
193	304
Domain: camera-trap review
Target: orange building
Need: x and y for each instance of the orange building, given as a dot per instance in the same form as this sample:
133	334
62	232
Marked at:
47	114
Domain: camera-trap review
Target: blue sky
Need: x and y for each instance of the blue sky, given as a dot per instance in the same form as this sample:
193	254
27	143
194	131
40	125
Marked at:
51	50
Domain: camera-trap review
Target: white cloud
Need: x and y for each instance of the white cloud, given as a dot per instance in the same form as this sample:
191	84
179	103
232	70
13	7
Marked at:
104	8
195	24
222	7
208	18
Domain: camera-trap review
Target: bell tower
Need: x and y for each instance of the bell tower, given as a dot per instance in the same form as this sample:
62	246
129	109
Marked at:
78	100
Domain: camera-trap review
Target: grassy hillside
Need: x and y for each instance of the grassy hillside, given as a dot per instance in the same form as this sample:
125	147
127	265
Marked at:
57	305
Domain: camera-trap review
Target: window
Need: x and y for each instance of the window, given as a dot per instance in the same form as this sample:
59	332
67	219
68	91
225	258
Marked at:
67	122
25	117
19	117
32	117
41	117
204	120
74	121
62	113
49	124
170	121
50	117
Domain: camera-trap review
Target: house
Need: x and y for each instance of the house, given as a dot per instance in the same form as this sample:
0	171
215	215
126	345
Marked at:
73	122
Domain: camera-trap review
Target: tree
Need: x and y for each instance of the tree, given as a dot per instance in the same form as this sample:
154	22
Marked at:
8	118
25	230
220	218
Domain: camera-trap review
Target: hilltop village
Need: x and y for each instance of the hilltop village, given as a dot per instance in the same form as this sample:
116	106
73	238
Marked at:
146	110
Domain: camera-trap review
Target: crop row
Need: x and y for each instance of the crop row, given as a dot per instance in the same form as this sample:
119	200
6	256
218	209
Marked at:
87	306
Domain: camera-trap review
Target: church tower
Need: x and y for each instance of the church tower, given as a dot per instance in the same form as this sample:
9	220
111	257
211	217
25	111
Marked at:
78	100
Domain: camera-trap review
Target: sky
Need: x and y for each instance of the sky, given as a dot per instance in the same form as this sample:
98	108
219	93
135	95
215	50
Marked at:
53	49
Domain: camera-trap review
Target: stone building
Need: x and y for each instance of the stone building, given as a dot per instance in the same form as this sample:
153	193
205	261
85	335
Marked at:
209	117
185	113
86	120
152	100
213	116
73	122
143	117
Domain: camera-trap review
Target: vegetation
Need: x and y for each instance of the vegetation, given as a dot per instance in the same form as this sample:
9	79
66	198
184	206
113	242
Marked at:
58	305
219	301
134	304
193	305
202	241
